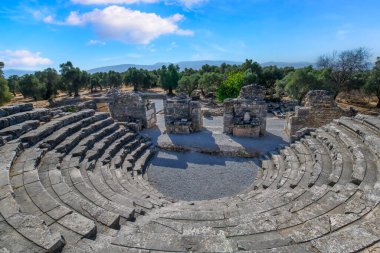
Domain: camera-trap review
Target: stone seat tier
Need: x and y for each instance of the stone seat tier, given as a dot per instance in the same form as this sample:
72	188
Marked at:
34	199
373	122
58	136
306	159
55	183
31	227
322	166
73	140
13	109
340	156
364	167
47	129
103	170
294	171
97	181
15	131
20	117
367	134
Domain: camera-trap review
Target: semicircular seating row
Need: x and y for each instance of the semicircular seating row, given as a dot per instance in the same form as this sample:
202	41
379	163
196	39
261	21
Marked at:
76	182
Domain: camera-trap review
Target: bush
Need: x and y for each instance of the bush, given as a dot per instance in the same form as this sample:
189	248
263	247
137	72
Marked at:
230	87
5	95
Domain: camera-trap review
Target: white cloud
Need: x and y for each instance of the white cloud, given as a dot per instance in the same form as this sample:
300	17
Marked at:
185	3
108	2
95	42
23	58
124	24
191	3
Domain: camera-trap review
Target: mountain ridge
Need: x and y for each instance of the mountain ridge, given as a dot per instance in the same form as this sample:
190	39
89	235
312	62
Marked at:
183	64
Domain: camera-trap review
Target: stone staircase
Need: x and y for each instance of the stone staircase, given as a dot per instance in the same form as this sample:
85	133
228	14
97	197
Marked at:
76	182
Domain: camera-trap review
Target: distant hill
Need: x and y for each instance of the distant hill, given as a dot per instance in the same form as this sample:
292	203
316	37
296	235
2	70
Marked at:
17	72
192	64
184	64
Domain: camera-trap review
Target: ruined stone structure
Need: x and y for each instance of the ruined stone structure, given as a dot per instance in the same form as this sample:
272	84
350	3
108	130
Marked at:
131	107
246	115
182	115
319	108
76	184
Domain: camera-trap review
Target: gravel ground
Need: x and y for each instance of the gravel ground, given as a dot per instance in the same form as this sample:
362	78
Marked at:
195	176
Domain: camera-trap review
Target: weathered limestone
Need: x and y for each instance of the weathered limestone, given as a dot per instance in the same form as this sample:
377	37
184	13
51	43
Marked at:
132	108
76	184
318	108
246	115
182	115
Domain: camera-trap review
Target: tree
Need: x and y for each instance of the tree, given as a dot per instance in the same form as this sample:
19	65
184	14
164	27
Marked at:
372	85
31	87
5	95
72	78
135	77
96	81
230	87
169	77
115	80
209	82
188	84
343	66
298	83
49	78
13	84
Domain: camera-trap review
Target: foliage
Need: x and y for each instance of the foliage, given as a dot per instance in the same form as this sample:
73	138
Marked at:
48	78
73	78
343	67
372	85
13	84
230	87
31	87
187	84
115	79
296	84
169	77
209	82
5	95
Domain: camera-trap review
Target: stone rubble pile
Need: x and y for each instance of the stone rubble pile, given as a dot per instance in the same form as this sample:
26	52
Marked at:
319	108
182	115
246	115
131	107
76	182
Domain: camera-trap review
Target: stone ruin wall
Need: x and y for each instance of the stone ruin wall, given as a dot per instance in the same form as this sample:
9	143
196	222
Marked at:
182	115
132	108
319	108
246	115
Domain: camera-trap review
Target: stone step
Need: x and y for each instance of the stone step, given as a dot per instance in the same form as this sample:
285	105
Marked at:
174	243
13	109
323	166
47	129
20	117
362	131
340	156
81	185
85	137
15	131
58	136
56	183
371	121
29	226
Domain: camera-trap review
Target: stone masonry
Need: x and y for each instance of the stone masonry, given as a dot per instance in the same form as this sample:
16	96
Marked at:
319	108
182	115
245	116
132	108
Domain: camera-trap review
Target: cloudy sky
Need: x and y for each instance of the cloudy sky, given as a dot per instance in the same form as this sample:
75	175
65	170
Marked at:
36	34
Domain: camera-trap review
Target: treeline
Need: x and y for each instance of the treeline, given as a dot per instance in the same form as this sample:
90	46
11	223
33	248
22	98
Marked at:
344	71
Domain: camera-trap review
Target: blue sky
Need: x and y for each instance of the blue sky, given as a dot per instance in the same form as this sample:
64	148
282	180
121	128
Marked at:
92	33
